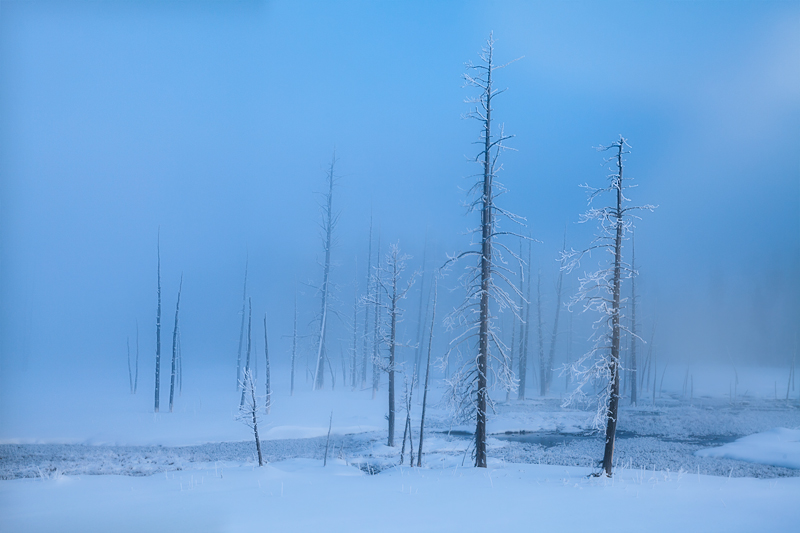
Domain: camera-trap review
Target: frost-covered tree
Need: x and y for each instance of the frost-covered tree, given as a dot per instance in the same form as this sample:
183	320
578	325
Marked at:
600	291
478	336
249	347
329	221
387	279
248	410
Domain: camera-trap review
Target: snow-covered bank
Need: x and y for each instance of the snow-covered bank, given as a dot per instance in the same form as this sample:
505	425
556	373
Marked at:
777	447
301	495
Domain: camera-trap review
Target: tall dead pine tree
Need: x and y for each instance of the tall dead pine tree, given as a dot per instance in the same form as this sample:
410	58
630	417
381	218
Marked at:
634	337
266	357
469	395
328	224
552	354
427	372
158	328
241	329
175	350
600	291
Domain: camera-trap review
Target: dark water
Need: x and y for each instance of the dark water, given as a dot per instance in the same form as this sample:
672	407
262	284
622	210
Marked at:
550	439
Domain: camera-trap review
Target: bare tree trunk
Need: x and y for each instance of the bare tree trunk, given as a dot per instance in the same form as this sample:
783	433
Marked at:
158	328
551	357
248	410
136	375
634	391
241	329
420	322
353	369
376	375
613	407
328	441
130	370
255	422
328	222
175	349
427	373
266	357
405	426
366	311
525	310
487	226
542	362
513	340
569	354
249	344
392	345
294	345
180	364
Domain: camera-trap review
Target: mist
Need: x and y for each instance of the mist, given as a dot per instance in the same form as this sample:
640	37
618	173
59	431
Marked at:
213	125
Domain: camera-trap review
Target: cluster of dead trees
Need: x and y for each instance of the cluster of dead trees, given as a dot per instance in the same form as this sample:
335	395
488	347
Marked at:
497	277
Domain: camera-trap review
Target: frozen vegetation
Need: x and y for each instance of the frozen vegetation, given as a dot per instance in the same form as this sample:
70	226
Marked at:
241	278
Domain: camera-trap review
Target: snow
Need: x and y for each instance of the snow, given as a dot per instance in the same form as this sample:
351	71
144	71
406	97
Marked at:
301	495
777	447
194	469
204	413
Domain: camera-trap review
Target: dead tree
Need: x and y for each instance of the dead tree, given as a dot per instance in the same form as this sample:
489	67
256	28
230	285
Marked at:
136	373
130	370
634	332
354	365
389	294
554	337
524	304
294	345
542	362
600	291
420	321
328	224
180	364
266	357
249	345
248	410
427	372
376	337
174	372
468	386
158	328
241	329
409	391
366	310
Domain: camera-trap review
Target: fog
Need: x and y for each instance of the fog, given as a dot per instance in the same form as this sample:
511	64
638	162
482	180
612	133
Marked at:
214	125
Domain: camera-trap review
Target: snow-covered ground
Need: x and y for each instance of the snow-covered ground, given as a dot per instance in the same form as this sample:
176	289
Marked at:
777	447
301	495
195	468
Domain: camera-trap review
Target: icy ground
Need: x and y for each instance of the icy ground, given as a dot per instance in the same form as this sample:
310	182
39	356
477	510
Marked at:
675	436
702	463
302	495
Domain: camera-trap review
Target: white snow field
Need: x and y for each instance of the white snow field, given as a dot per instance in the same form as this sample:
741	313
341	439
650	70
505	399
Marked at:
301	495
194	470
777	447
